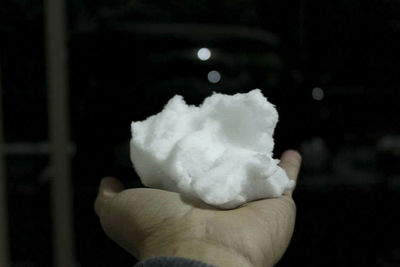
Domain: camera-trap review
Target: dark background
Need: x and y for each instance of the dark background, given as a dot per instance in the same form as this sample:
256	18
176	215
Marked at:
127	58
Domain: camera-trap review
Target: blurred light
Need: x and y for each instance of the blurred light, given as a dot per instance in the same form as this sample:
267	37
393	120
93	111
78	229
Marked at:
317	94
214	76
204	54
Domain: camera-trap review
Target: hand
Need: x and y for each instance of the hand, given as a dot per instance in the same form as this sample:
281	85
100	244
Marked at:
151	222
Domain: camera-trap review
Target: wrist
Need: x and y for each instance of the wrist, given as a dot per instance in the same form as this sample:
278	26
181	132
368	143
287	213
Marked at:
213	254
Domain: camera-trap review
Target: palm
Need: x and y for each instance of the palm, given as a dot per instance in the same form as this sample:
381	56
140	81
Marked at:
145	220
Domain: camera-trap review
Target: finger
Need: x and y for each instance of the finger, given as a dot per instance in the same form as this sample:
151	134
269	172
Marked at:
109	187
291	162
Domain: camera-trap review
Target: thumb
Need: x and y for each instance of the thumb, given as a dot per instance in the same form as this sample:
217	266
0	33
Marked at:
109	187
291	162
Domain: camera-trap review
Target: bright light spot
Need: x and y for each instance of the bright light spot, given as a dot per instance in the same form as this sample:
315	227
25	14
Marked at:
214	76
317	94
204	54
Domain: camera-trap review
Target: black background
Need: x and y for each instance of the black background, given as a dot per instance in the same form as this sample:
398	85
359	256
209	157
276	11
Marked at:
120	71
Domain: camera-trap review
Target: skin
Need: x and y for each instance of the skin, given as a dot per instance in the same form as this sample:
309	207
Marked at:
151	222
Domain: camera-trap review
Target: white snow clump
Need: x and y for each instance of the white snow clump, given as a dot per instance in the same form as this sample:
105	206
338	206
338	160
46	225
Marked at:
220	152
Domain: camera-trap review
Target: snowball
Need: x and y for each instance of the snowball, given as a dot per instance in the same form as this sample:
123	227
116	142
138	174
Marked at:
220	152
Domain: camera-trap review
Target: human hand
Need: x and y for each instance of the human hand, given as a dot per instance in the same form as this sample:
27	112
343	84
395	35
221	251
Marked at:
151	222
